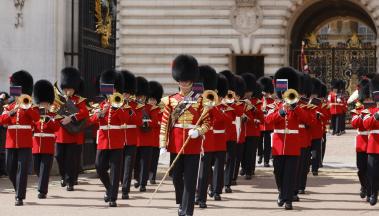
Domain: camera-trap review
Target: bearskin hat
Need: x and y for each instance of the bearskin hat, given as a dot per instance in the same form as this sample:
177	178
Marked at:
334	84
155	90
306	84
374	84
240	86
24	79
185	68
129	82
324	91
222	85
316	83
113	77
257	93
266	84
231	79
43	92
251	81
70	78
142	86
290	74
208	76
364	89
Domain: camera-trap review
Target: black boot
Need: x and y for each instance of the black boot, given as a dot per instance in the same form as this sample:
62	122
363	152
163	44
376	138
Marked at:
19	202
202	205
373	200
142	189
248	177
106	198
125	196
228	189
70	188
280	202
112	204
260	159
363	193
301	191
288	206
41	196
295	198
217	197
63	183
242	172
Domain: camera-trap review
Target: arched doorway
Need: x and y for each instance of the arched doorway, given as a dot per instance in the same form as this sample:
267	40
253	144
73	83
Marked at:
340	41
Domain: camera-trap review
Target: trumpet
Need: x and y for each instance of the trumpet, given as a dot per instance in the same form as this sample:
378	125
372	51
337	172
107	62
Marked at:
291	96
210	98
24	101
116	100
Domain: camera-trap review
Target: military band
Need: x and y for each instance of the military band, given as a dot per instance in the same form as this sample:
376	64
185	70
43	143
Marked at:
214	128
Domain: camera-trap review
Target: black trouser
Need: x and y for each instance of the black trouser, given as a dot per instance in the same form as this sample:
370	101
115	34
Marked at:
129	158
109	159
250	154
316	154
154	162
2	163
343	125
42	167
323	147
362	169
17	163
231	149
303	169
78	161
238	159
337	122
143	164
218	172
184	176
373	174
266	139
285	175
204	176
67	156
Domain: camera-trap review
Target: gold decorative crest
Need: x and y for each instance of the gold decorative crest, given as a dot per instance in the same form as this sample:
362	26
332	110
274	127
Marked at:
104	24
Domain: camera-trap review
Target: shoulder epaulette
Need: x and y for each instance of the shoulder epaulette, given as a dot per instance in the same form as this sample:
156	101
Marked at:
166	100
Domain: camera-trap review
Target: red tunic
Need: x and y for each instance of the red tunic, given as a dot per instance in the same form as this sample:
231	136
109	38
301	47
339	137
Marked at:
20	125
234	111
131	127
145	138
337	106
304	130
372	125
253	124
156	117
44	135
361	139
63	136
268	104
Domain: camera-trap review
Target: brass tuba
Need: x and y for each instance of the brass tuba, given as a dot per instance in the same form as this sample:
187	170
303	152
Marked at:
291	96
24	101
210	98
116	100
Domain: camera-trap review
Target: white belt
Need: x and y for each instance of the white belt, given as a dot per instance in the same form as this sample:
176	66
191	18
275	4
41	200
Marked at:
185	126
281	131
19	127
128	126
374	131
363	132
218	131
44	135
301	126
109	127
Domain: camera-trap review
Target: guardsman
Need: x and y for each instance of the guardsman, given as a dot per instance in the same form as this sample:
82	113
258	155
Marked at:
44	135
358	114
326	112
184	118
144	140
336	107
371	123
130	131
110	136
219	128
154	100
69	144
20	117
268	103
253	133
286	119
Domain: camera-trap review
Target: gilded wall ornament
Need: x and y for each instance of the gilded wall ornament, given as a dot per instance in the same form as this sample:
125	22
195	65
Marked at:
104	21
246	17
19	5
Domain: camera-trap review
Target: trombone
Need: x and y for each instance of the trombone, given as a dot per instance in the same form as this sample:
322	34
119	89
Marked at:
24	101
210	98
291	96
116	100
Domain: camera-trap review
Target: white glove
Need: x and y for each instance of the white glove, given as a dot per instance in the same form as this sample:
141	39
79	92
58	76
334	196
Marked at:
162	151
338	100
193	133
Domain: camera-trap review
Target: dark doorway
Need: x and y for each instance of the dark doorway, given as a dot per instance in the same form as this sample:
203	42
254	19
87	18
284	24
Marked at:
248	64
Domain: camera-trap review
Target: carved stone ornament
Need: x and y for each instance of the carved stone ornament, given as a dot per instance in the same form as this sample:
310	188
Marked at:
246	17
19	5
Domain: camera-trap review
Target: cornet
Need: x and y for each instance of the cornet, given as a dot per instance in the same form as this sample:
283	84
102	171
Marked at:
24	101
291	96
230	97
116	100
210	98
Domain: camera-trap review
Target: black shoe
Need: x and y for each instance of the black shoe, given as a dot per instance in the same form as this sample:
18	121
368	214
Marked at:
142	189
368	199
180	211
125	196
260	159
41	196
363	193
217	197
280	202
63	183
315	173
106	198
295	198
234	182
248	177
288	206
153	182
197	202
136	185
112	204
228	189
210	193
266	165
19	202
373	200
242	172
202	205
301	191
70	188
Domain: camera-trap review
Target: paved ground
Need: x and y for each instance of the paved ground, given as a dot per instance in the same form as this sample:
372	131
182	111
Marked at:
334	192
